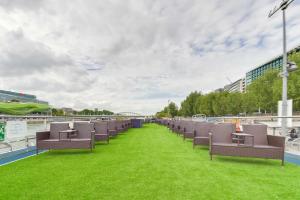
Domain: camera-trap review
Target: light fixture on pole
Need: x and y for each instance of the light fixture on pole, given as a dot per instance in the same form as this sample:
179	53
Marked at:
283	6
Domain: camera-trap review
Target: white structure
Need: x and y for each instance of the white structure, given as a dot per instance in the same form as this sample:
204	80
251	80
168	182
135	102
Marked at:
16	129
289	113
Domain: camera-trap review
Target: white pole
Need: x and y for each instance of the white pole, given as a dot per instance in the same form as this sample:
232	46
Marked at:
284	78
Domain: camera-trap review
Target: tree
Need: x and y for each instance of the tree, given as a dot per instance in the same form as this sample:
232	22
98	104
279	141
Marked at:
173	109
266	91
57	112
188	106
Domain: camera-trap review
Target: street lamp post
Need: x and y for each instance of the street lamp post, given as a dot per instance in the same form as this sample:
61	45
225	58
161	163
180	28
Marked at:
169	107
283	6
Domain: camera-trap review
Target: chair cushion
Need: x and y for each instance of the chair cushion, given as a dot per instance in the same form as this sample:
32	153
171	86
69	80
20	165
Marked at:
80	139
224	144
201	137
50	140
266	147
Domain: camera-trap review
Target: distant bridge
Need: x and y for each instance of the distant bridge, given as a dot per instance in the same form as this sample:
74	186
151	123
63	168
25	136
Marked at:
71	117
128	114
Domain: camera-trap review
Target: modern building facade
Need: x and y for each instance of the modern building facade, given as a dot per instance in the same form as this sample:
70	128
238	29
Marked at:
237	86
275	64
7	96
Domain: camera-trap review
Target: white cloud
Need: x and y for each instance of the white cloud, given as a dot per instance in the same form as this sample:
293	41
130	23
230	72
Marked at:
134	55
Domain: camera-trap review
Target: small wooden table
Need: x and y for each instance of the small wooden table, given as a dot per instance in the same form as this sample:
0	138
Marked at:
70	133
241	137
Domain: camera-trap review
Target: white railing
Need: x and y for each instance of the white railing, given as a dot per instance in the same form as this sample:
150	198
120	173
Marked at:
293	146
17	144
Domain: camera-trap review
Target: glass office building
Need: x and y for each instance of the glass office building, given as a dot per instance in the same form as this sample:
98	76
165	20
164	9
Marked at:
275	64
7	96
252	75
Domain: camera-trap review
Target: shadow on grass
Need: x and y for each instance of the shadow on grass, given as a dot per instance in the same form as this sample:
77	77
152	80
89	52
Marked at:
70	152
201	147
253	161
104	143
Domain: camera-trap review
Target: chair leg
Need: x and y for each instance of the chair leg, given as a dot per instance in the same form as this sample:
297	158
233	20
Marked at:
282	162
36	151
210	156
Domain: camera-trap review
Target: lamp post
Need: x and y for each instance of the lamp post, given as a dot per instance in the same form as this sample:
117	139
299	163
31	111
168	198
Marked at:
169	107
283	6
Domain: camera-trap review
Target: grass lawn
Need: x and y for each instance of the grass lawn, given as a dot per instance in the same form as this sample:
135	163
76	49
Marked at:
22	108
147	163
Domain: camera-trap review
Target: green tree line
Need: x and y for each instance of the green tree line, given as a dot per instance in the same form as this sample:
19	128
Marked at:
262	95
60	112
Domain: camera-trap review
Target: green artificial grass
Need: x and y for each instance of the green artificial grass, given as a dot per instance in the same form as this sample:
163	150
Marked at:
147	163
22	108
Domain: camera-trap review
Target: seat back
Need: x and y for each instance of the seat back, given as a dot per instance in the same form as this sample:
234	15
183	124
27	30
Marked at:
128	123
112	125
189	126
172	123
101	127
222	133
202	129
119	124
259	131
56	127
176	123
84	129
124	123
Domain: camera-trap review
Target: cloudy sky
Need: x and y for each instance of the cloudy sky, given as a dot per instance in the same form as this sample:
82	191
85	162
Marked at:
134	55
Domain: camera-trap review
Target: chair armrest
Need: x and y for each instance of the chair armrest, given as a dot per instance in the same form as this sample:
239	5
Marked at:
42	135
210	136
93	138
277	141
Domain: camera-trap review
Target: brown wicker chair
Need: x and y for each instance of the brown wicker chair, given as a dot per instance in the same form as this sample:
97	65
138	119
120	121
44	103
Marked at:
50	139
181	127
257	144
119	126
188	129
264	146
220	139
112	128
171	125
201	133
176	127
85	135
126	124
61	136
101	131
